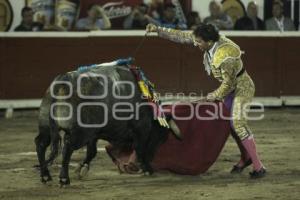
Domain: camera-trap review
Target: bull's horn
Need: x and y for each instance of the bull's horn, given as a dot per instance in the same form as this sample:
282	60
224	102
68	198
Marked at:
175	129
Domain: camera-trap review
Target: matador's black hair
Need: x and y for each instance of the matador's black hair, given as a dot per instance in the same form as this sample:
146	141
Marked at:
207	32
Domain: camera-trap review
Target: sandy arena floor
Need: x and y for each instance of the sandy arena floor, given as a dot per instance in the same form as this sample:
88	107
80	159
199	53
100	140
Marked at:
278	139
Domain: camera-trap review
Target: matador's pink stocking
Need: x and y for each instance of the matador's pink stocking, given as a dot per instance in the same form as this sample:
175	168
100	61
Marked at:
250	146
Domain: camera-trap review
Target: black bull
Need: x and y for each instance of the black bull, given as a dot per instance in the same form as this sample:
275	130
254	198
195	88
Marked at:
76	100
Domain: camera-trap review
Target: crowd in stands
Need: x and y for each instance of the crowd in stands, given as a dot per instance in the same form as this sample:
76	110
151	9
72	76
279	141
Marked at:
165	15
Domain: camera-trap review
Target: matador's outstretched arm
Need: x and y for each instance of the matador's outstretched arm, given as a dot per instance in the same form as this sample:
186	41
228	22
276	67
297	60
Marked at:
174	35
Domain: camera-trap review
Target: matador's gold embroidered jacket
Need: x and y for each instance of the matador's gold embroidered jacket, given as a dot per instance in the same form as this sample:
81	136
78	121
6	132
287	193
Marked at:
225	64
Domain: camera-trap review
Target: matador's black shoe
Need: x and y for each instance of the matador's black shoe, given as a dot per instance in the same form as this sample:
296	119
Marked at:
237	169
258	174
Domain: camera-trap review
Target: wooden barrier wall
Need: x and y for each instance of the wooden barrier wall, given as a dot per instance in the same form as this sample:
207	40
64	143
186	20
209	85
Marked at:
29	64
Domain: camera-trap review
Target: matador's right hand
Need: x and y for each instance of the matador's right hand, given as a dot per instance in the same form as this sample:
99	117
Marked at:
151	28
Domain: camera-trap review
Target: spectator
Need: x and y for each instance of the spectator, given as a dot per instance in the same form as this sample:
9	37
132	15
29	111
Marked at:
279	22
217	17
96	19
251	20
169	19
193	20
27	23
156	8
138	19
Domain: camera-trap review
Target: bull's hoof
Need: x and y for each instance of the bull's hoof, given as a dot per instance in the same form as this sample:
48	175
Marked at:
45	176
150	172
84	170
45	179
37	167
147	171
64	182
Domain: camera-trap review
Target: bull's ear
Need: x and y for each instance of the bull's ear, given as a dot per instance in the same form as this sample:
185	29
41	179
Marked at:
175	129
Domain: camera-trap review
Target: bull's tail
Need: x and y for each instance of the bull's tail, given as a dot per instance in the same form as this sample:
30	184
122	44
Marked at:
55	147
48	136
45	138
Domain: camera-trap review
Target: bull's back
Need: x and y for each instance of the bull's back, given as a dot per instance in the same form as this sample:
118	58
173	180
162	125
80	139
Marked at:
88	98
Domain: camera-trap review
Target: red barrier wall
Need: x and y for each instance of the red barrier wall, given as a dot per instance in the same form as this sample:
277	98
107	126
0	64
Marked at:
28	65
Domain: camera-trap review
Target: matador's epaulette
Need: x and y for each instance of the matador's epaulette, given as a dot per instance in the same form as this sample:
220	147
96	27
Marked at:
224	52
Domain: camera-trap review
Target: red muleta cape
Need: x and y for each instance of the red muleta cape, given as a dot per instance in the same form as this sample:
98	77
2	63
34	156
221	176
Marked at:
203	140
